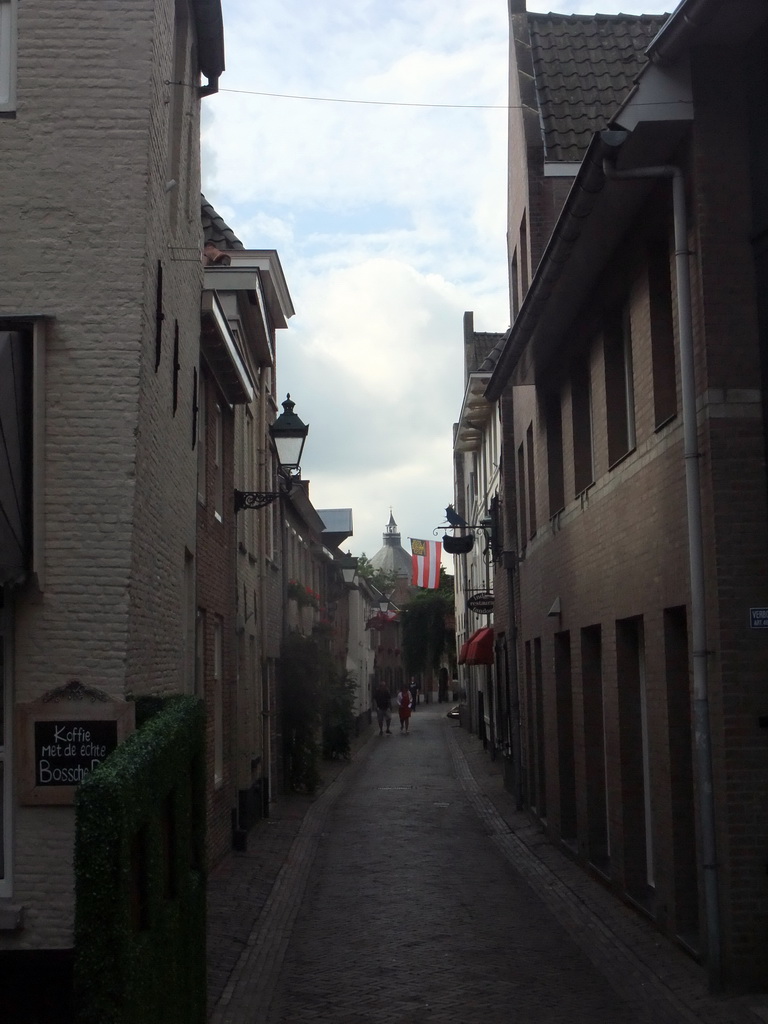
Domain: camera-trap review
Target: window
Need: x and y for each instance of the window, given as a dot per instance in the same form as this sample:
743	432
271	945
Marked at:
619	385
218	462
566	760
595	763
635	758
188	622
22	434
218	703
581	414
662	334
159	316
5	754
514	286
554	419
531	482
200	653
524	256
176	367
680	753
521	502
7	56
201	440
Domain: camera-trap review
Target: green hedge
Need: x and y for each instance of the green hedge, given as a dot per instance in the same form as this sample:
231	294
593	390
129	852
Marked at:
140	876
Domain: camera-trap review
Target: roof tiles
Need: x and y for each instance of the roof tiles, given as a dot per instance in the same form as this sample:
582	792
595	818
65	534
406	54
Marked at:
484	344
215	230
584	67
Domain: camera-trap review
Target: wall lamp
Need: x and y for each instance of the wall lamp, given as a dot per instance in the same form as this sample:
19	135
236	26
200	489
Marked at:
288	433
348	565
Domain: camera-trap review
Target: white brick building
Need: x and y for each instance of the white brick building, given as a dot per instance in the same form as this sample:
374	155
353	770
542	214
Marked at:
100	282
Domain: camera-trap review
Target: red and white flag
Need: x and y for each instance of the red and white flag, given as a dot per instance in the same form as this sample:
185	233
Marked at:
425	558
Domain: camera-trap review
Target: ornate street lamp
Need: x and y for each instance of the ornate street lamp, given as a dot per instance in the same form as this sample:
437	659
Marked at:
348	565
288	433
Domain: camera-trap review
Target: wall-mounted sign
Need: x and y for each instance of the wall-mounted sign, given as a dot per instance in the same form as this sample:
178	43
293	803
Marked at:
60	743
758	618
65	751
481	602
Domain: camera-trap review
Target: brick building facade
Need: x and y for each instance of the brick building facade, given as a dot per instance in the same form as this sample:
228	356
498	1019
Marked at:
634	493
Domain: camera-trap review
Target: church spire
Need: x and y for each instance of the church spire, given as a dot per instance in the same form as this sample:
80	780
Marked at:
391	535
391	557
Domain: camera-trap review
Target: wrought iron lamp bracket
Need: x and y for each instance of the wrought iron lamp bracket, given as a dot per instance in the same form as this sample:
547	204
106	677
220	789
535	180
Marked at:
260	499
254	499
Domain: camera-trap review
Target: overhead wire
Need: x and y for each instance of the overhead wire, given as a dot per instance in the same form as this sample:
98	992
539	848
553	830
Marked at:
377	103
403	103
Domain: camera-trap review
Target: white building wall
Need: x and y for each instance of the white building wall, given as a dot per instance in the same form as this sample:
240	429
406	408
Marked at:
86	217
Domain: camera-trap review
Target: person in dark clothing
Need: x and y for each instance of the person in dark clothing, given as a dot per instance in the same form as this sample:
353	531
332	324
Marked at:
414	688
383	700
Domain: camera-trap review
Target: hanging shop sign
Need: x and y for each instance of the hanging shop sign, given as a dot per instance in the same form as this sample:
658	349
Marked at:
481	602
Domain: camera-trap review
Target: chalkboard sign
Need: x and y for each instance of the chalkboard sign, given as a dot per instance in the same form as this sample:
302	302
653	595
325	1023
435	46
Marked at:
66	751
60	743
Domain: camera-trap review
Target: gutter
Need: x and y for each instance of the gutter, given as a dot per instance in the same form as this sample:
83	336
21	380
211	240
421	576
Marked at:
687	16
209	24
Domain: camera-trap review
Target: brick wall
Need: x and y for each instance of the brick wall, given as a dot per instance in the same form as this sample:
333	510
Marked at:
617	559
87	217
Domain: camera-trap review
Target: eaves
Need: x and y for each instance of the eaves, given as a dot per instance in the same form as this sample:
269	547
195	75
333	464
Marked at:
299	500
219	347
267	262
704	23
242	294
476	411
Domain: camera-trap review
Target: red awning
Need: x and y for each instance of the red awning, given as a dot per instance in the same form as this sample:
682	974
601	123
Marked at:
463	652
480	647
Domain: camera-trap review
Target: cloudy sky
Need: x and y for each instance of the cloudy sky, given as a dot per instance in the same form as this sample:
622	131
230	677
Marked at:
381	183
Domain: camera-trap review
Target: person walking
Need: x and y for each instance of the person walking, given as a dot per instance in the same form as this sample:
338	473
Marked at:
404	706
414	688
383	700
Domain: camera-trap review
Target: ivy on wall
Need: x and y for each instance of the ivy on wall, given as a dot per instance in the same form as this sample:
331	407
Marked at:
140	876
317	702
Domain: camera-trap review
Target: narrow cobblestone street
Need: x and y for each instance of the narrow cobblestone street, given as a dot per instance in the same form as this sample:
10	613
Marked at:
411	892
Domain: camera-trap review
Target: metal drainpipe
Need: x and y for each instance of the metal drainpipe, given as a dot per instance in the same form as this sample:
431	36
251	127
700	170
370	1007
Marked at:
702	733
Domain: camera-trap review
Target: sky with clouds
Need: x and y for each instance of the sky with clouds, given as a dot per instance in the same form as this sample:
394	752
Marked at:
389	219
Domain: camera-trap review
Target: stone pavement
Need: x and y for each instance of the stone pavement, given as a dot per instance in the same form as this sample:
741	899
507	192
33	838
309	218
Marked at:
410	890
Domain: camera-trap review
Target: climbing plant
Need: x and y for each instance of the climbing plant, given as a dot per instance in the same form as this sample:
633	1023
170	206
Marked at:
338	714
300	691
427	628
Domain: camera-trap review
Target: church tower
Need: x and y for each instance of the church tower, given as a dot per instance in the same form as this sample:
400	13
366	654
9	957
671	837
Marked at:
392	557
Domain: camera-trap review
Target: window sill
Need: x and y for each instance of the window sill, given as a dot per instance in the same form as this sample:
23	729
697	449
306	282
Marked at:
621	459
11	917
665	423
